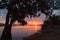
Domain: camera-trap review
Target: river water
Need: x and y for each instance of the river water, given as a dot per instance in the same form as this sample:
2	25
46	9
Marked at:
19	32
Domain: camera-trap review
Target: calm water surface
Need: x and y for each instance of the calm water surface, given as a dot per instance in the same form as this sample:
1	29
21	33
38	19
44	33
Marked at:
18	32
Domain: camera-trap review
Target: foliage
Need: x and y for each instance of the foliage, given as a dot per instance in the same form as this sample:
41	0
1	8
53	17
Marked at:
29	7
19	9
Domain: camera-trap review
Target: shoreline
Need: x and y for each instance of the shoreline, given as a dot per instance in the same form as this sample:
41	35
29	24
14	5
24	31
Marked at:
46	34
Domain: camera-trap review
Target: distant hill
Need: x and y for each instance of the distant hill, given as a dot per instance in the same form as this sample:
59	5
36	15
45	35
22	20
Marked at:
1	24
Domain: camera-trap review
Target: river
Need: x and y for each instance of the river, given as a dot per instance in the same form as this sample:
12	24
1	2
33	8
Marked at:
19	32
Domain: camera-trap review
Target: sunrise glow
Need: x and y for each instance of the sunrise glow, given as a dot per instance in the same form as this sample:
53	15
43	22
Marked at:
35	22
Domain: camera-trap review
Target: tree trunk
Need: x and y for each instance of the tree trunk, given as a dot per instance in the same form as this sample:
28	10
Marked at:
6	34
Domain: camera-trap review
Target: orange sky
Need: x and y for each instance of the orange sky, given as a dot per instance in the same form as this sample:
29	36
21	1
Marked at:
35	22
32	22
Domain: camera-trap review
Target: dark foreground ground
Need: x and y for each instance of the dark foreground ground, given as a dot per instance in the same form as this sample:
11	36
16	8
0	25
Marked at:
52	32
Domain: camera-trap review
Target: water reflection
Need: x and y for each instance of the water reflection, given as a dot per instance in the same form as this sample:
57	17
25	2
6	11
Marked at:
18	32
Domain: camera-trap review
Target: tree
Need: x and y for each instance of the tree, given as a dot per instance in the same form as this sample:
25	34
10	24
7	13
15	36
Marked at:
24	8
19	9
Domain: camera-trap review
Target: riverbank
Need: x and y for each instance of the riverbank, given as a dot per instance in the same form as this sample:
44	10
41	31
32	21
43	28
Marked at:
52	32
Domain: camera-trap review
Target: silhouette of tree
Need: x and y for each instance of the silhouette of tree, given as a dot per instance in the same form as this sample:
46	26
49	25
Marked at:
54	19
6	34
19	9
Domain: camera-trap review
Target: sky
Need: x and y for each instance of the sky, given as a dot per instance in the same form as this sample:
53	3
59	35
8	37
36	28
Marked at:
57	12
40	19
3	13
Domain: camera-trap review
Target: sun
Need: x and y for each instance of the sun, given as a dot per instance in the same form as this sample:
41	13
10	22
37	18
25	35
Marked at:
34	22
